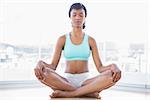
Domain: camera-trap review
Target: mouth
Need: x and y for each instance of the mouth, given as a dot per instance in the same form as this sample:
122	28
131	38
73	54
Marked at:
78	22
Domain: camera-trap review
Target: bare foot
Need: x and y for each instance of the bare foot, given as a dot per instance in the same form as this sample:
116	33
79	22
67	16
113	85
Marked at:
59	93
93	95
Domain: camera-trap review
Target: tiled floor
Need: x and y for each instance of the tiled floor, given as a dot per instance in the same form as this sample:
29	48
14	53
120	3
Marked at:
42	93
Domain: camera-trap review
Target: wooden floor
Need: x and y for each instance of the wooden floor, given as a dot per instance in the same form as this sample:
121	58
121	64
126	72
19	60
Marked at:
42	93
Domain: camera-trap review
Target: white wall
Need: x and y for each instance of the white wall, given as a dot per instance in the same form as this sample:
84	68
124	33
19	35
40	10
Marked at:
46	19
41	22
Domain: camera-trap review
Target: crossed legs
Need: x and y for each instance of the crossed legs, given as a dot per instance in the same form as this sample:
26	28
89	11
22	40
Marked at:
62	88
90	86
55	81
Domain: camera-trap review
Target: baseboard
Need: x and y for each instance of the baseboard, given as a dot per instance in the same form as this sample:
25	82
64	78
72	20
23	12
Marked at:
35	83
132	87
19	84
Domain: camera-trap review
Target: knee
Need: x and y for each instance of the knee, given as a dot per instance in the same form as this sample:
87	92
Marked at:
46	71
113	65
38	74
40	63
109	77
117	70
109	73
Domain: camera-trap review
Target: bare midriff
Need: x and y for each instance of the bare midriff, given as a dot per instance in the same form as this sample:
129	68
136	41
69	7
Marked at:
76	66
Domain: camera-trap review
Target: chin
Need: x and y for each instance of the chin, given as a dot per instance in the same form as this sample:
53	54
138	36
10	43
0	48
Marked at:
78	26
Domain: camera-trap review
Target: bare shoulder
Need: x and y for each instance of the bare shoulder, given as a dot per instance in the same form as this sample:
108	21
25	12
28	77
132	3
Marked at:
92	41
61	40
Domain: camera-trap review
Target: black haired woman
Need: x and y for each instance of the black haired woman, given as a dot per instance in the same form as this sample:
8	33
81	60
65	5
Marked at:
77	46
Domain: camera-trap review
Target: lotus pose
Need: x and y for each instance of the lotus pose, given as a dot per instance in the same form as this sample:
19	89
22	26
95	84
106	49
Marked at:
77	46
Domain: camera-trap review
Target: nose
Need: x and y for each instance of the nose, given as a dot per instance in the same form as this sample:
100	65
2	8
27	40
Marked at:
77	17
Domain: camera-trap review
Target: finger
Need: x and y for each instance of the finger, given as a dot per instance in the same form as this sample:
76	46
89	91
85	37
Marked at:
39	68
39	75
35	72
117	77
114	74
42	65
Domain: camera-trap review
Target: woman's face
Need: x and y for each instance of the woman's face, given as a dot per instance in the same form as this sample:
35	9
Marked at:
77	18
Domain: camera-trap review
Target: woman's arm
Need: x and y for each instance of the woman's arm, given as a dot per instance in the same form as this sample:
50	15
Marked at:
57	53
115	70
96	57
41	65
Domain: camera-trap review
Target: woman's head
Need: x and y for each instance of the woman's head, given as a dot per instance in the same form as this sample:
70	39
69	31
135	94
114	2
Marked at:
78	13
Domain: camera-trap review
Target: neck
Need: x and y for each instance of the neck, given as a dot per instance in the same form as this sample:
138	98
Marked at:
77	32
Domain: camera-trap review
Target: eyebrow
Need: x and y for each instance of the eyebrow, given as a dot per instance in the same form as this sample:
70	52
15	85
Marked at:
76	12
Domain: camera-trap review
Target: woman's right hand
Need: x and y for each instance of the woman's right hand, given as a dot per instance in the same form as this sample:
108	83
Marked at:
39	70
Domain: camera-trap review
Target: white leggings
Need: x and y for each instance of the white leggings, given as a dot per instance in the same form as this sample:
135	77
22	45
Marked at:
77	79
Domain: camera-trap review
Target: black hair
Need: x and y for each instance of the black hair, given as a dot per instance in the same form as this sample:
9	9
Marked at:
78	6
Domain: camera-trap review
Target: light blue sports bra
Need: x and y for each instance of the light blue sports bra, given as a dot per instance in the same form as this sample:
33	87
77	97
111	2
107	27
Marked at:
76	52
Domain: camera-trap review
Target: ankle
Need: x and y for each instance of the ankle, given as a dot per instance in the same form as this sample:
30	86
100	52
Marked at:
75	93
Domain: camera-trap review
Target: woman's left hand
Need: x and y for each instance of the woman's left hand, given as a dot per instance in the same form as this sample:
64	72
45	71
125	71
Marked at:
116	73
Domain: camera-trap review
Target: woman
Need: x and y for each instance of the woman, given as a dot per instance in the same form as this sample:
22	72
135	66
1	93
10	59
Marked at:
77	47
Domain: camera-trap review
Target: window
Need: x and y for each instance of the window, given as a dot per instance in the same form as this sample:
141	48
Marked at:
29	31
